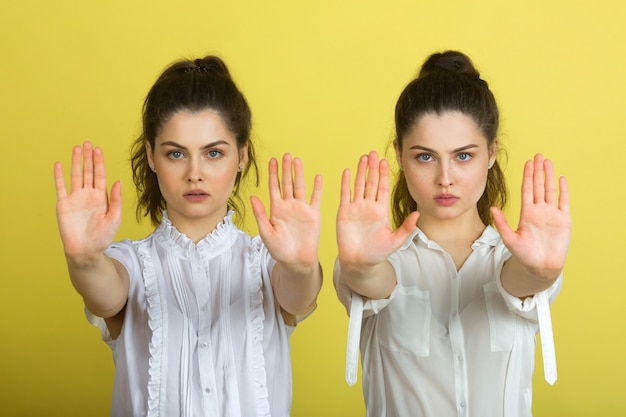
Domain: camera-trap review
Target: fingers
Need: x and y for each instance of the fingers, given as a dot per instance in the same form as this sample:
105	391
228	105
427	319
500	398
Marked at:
76	171
359	180
345	197
383	181
299	185
99	172
316	195
87	167
372	178
539	184
538	179
293	184
287	179
59	181
550	189
564	195
273	185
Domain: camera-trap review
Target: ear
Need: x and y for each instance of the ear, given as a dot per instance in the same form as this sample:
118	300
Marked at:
150	156
493	152
243	155
396	147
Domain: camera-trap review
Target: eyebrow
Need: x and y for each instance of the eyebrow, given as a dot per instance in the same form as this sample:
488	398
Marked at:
207	146
461	149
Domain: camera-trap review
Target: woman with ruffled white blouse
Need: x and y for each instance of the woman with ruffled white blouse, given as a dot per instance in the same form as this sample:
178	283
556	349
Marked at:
198	314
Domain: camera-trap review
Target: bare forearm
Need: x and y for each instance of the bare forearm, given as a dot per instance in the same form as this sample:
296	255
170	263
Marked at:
374	282
101	282
521	282
296	289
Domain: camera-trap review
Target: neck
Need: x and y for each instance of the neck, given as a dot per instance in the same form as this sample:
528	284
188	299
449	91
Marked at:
465	228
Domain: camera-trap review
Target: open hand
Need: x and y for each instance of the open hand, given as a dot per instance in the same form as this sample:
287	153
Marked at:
87	219
364	235
292	231
542	238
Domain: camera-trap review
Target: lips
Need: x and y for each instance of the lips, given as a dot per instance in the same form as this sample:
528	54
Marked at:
196	195
446	199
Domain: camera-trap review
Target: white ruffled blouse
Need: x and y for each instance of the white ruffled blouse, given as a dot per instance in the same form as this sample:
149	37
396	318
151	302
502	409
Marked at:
202	333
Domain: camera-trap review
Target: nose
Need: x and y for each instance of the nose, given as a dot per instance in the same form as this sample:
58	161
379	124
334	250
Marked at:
444	177
194	174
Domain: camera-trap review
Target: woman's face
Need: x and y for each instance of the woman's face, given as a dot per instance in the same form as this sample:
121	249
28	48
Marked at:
446	159
196	160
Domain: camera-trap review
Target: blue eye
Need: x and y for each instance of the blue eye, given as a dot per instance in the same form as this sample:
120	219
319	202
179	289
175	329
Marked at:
175	154
464	156
214	153
424	157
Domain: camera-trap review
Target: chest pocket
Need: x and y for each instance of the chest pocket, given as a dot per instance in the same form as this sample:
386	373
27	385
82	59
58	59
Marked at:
501	320
404	325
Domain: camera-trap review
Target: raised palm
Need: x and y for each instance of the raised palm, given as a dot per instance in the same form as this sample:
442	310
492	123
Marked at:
542	237
364	234
87	219
292	231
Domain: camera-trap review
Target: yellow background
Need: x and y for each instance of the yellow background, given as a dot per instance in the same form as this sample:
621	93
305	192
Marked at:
322	78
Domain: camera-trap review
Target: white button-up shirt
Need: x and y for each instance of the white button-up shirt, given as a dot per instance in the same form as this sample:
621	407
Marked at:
202	334
448	342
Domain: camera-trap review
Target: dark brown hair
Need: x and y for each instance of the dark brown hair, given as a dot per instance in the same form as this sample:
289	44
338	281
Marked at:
447	82
194	86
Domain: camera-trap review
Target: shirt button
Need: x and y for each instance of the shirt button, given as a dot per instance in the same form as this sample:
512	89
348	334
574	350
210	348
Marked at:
462	404
460	358
204	308
207	390
203	345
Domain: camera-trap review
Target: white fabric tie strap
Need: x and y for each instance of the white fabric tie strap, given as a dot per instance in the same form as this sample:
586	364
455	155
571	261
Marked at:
354	338
547	338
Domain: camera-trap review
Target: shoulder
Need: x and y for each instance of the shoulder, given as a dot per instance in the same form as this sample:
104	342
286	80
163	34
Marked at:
129	252
124	249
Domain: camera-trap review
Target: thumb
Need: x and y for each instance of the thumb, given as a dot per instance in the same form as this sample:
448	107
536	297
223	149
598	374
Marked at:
408	226
258	209
115	204
499	220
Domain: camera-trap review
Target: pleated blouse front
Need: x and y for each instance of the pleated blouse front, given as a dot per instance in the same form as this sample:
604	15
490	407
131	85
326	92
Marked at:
202	332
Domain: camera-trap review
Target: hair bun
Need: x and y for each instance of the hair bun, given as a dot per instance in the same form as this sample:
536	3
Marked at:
209	63
449	61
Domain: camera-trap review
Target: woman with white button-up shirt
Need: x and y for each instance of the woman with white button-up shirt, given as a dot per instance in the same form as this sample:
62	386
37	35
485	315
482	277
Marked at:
198	314
445	309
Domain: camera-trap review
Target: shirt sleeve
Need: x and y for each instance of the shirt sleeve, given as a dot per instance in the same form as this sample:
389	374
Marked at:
345	295
526	308
121	252
537	309
358	308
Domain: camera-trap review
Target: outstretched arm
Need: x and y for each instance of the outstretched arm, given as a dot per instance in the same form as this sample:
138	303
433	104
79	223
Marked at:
87	223
364	236
540	243
291	235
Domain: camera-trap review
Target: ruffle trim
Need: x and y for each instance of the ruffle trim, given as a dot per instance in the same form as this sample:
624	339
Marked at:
213	244
155	304
257	318
155	323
